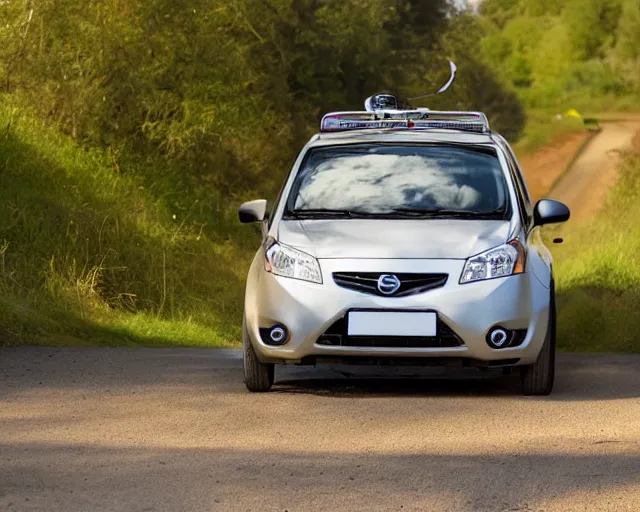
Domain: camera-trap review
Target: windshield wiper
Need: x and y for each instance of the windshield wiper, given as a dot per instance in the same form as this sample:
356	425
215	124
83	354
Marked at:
449	213
325	212
309	213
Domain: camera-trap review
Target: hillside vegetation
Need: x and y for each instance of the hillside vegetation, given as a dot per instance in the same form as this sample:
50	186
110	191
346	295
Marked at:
130	131
92	255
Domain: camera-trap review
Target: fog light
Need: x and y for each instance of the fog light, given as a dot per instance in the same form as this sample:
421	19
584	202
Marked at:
498	338
277	334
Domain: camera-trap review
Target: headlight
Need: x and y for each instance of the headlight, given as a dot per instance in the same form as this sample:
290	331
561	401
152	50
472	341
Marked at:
505	260
288	262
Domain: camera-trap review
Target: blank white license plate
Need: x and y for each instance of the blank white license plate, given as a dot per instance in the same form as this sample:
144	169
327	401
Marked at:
391	323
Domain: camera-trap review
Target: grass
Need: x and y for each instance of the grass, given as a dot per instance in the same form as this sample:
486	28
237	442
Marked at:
549	124
545	126
92	253
598	274
598	270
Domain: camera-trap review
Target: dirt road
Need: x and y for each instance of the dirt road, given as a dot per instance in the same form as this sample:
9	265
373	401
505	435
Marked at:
584	186
162	429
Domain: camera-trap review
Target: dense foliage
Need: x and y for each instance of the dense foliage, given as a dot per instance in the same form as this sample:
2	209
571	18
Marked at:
558	51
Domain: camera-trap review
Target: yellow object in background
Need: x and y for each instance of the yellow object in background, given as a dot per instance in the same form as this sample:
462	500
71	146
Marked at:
574	113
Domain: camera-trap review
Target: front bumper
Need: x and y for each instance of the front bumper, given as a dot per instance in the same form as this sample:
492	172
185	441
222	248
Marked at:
470	310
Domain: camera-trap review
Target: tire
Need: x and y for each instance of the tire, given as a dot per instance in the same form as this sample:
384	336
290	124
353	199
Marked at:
537	378
258	377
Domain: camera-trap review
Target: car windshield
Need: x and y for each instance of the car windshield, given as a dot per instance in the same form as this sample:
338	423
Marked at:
399	181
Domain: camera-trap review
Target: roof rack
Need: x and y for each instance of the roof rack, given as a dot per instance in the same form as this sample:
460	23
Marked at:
421	118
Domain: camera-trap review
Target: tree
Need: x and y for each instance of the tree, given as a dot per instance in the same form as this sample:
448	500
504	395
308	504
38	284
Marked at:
628	37
501	11
592	26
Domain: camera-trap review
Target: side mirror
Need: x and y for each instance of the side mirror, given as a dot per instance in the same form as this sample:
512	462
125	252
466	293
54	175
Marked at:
253	211
548	211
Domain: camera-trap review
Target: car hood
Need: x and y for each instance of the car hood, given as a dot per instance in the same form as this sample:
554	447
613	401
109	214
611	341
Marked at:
393	238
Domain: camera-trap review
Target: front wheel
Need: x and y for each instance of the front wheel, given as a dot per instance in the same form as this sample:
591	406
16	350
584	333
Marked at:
258	377
537	378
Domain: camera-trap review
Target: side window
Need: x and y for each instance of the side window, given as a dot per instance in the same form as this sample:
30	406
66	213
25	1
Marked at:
521	186
513	162
519	177
274	205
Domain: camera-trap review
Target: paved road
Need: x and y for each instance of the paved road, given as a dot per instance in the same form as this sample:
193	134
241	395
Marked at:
584	186
165	429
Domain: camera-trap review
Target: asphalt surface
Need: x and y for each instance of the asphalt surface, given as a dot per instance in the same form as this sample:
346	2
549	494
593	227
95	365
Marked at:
84	429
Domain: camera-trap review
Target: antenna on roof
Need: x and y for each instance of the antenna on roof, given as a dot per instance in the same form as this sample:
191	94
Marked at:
452	77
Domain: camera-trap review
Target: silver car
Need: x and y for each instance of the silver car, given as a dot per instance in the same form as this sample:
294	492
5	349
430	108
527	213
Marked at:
402	237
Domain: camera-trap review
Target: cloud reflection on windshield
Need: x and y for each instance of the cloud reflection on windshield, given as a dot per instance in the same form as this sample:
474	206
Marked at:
380	182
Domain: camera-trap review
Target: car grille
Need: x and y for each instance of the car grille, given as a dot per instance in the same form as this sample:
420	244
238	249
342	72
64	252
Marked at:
336	336
410	284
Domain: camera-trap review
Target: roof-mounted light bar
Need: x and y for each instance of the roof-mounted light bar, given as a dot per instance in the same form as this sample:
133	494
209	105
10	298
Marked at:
405	119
